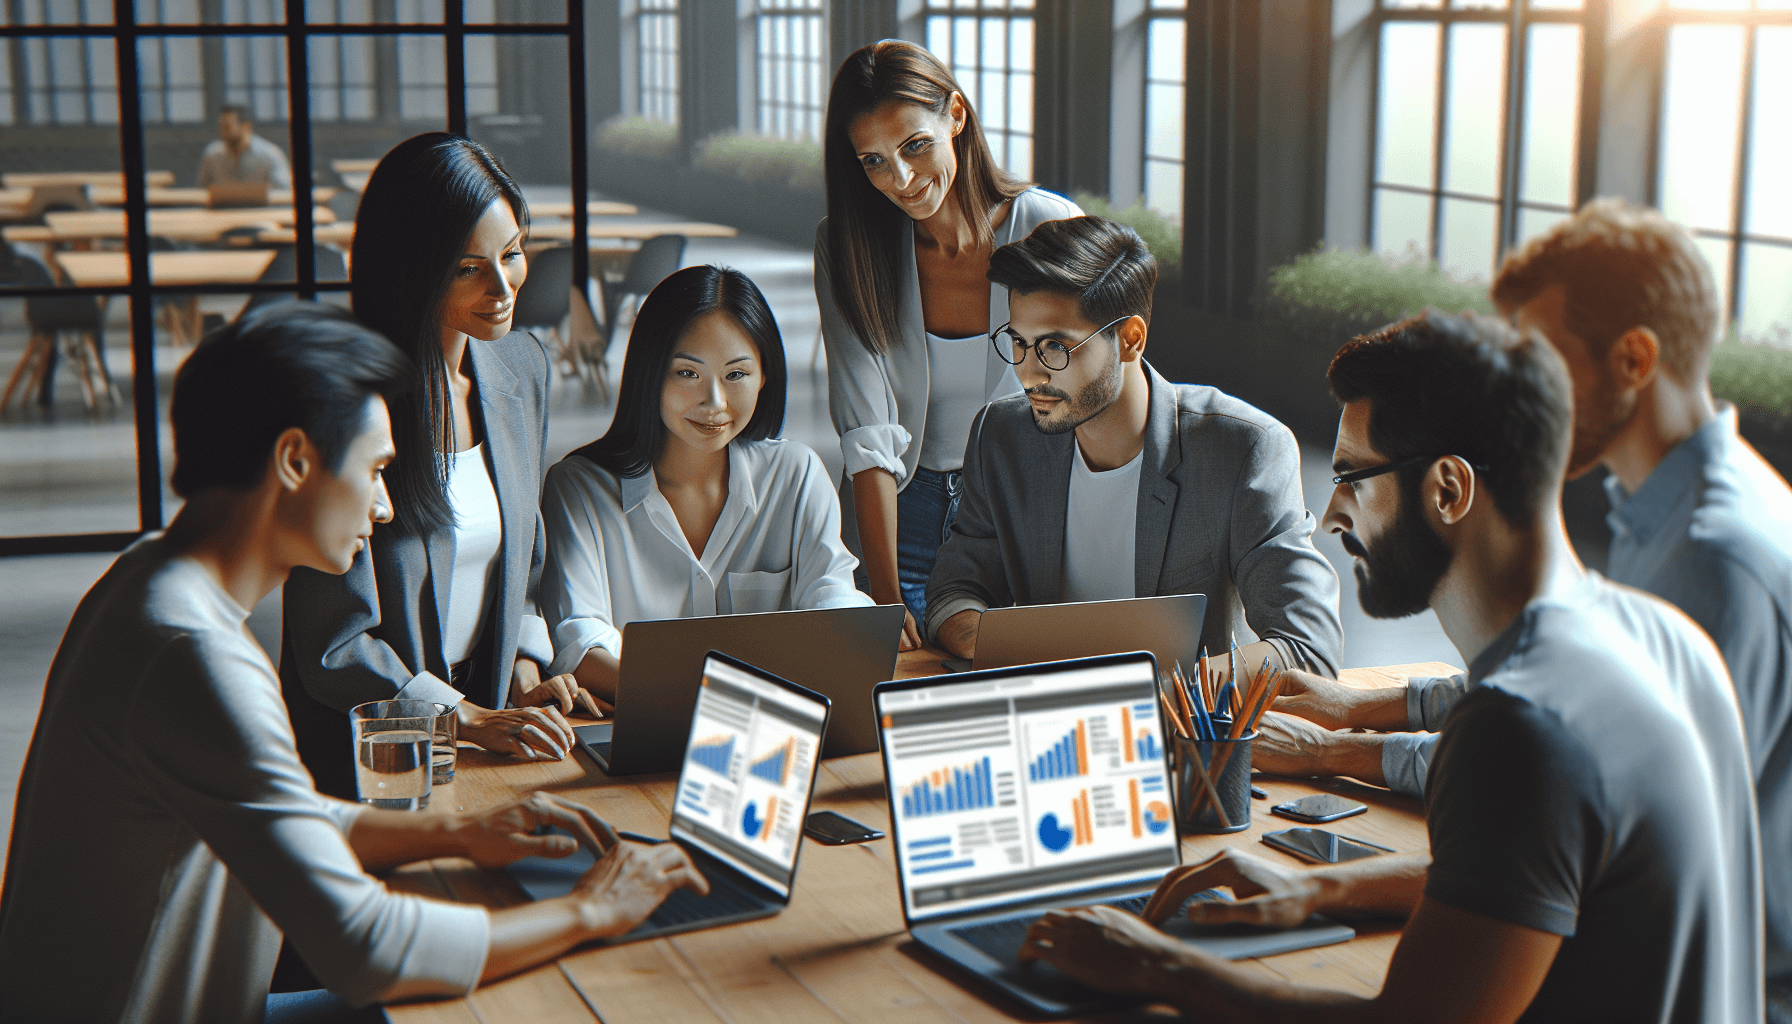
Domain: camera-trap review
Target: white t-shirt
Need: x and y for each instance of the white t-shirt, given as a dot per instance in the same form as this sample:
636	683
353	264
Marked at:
1100	528
478	533
954	394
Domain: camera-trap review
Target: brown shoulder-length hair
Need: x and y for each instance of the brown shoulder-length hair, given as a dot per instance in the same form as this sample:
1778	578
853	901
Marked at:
864	227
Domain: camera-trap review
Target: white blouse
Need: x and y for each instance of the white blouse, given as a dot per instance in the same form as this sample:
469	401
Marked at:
616	553
478	534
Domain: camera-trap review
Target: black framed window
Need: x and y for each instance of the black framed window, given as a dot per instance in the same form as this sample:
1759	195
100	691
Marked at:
1166	91
790	43
105	92
989	45
1478	136
656	53
1724	139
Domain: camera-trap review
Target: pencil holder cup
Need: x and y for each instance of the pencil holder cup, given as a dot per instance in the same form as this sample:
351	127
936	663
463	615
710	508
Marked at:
1228	764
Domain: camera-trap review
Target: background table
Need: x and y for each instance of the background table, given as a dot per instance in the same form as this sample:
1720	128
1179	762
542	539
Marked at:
44	179
111	269
561	231
839	951
187	225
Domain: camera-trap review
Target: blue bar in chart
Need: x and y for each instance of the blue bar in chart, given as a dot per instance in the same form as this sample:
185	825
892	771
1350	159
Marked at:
963	788
775	766
1067	758
714	753
1146	745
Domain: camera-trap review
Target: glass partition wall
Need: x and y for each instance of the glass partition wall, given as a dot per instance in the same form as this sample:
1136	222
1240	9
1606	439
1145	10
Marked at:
117	256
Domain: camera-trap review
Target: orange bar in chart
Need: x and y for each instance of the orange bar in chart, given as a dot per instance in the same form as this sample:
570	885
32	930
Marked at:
1082	748
771	817
1125	731
1132	786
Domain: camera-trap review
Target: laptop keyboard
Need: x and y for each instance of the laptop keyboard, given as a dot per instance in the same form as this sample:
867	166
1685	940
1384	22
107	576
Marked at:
684	906
1002	939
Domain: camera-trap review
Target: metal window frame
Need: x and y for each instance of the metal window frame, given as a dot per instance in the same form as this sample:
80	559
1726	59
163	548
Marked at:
1155	14
767	103
1737	236
141	292
649	94
1518	17
978	13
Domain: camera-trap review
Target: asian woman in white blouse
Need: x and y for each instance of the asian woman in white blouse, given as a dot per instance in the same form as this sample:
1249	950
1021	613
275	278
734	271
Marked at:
690	504
916	205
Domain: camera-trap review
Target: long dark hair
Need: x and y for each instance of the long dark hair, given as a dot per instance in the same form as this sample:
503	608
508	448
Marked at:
421	205
864	227
637	433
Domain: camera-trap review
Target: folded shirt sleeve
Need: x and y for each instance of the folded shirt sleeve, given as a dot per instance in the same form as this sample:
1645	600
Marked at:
861	399
875	446
1430	699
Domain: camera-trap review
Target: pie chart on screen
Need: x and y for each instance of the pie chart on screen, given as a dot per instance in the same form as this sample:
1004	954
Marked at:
750	821
1054	836
1157	817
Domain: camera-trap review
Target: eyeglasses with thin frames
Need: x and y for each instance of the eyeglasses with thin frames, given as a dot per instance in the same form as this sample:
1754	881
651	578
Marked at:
1388	467
1053	355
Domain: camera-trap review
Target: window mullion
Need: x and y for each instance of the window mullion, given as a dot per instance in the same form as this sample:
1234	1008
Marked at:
1440	128
1739	209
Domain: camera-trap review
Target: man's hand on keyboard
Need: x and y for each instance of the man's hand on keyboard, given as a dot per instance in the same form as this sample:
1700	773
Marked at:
630	880
1266	893
1106	948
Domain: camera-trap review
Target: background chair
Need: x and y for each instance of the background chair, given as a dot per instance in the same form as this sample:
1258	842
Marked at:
657	258
544	302
326	263
52	319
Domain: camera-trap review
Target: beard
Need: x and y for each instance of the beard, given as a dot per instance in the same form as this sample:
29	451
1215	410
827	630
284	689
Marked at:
1397	572
1598	419
1091	400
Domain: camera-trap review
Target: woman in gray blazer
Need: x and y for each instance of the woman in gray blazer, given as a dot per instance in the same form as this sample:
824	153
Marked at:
916	204
439	605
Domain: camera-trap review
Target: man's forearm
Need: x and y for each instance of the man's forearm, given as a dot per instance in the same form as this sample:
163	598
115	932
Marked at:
958	634
383	839
1356	755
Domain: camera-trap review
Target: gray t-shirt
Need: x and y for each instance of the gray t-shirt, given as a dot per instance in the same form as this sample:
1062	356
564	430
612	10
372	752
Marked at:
261	161
166	833
1595	785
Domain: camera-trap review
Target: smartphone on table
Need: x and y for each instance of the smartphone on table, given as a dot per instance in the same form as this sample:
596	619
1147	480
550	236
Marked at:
837	829
1319	808
1318	846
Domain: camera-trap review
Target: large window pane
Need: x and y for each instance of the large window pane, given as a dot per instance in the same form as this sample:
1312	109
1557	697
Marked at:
1718	252
1701	107
171	84
1402	224
168	12
656	51
1166	64
791	70
1406	121
1470	233
1769	210
1766	292
422	79
992	58
1475	94
57	12
1551	115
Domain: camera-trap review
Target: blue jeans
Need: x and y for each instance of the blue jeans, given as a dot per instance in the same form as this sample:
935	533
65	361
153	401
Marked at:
925	511
318	1006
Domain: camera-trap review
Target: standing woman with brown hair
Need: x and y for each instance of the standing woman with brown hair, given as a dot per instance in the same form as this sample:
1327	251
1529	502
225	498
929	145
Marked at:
916	205
439	605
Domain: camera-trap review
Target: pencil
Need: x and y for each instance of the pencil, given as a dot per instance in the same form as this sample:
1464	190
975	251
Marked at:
1182	697
1170	713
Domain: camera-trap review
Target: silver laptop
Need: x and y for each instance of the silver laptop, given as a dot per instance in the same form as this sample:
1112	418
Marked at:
742	798
1022	789
839	652
1169	627
236	194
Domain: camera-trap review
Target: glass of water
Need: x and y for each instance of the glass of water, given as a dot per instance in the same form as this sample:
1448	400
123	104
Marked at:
393	741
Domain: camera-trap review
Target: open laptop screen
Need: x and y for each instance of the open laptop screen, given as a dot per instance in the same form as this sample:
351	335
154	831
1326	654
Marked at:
1019	784
748	770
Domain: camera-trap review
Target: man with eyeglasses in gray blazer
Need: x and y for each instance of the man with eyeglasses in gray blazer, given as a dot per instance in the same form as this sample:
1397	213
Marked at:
1105	481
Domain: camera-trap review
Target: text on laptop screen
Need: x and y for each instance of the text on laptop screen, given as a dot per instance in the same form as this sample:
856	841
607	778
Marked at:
1035	782
744	787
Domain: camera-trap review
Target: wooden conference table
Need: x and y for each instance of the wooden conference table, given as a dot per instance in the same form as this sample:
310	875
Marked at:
839	951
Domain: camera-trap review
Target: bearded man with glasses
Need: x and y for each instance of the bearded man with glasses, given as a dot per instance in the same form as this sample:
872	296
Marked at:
1105	481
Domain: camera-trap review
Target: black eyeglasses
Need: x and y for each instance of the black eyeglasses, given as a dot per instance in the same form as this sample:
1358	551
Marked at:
1373	471
1053	355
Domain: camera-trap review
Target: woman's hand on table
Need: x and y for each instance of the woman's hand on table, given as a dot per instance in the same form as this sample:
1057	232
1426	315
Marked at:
533	733
505	834
529	690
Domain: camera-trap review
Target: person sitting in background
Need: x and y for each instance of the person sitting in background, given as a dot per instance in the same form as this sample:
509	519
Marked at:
1106	481
166	833
690	504
1698	518
438	606
916	203
1593	844
239	156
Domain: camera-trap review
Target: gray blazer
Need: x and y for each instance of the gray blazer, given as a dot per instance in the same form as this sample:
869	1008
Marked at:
1219	513
878	402
375	633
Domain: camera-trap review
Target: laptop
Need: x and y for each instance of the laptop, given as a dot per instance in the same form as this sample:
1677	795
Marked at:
234	194
840	652
1023	789
742	798
1169	627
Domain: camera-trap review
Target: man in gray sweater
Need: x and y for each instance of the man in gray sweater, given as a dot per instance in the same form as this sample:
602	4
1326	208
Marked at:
166	833
1698	519
1106	481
